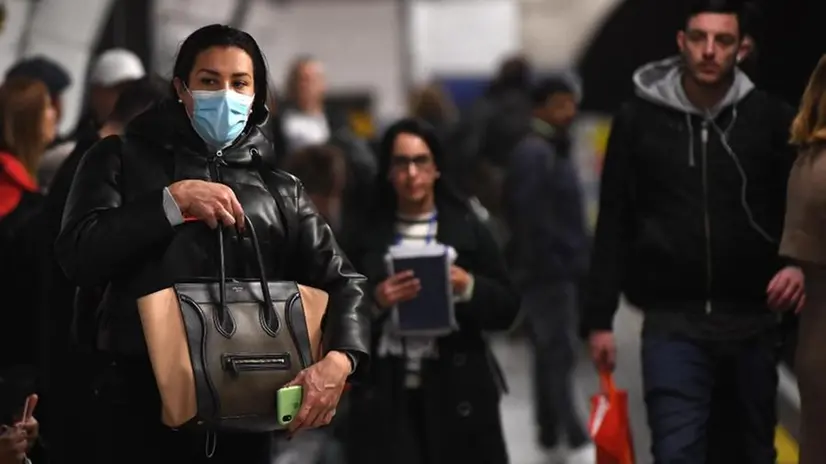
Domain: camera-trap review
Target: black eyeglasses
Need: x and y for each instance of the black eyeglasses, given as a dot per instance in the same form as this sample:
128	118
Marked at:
403	161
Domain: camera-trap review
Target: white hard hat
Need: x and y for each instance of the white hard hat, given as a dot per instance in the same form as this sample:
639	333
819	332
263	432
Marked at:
115	66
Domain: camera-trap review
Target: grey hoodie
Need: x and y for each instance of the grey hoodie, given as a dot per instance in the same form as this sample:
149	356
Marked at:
660	82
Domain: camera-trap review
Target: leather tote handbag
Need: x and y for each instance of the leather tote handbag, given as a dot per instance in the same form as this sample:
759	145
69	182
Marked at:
221	349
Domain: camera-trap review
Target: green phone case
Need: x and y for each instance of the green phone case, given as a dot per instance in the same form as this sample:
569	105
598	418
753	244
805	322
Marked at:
288	403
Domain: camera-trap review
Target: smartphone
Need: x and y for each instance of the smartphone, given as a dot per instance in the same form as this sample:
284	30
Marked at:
288	402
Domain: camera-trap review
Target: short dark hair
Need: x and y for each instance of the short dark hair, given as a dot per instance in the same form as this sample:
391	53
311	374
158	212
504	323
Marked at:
547	87
46	70
319	167
136	97
219	35
740	8
515	73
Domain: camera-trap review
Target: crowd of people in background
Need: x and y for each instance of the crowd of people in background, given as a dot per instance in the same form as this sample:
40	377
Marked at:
692	210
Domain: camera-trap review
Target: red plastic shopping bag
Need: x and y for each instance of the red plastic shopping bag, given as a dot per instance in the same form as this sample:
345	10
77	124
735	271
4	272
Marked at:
609	424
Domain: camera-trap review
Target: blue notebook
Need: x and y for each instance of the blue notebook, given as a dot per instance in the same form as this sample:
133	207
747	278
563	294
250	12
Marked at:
431	313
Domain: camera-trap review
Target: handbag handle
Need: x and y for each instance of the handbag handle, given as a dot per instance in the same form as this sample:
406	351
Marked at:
224	322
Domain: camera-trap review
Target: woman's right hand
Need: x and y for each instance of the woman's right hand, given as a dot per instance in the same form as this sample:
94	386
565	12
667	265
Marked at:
210	202
397	288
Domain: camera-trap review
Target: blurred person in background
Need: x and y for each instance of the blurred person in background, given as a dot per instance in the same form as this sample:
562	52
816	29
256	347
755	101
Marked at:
305	117
487	134
110	73
51	73
124	227
804	242
322	170
433	105
57	80
507	110
28	123
307	120
71	312
548	252
429	400
691	210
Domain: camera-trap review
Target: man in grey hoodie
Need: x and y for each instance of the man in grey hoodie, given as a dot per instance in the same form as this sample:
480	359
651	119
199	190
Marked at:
691	208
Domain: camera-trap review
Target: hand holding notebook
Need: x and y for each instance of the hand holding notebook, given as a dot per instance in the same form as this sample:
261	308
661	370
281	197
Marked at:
398	288
459	279
430	312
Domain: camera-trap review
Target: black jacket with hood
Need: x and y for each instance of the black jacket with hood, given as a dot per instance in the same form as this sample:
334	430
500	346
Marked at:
117	232
692	202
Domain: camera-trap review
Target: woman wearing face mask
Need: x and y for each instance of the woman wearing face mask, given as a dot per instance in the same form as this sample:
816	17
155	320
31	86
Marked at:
198	155
431	400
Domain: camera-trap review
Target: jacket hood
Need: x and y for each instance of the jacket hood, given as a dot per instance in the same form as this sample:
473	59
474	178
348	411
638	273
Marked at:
167	125
660	82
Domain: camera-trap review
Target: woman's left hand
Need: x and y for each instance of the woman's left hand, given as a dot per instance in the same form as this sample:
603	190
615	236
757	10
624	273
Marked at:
29	424
787	290
32	429
322	385
459	279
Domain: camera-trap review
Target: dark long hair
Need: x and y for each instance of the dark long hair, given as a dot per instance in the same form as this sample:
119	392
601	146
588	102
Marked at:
444	192
219	35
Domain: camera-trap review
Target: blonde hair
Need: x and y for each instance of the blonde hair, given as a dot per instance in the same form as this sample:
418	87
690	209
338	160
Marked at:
23	105
431	103
294	73
809	126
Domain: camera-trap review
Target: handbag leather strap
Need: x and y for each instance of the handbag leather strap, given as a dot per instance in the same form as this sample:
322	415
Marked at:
225	323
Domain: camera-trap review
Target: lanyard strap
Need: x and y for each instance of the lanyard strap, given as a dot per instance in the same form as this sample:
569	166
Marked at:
431	227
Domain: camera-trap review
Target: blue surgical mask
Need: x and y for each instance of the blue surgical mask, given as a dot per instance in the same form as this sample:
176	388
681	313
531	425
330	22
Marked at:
219	116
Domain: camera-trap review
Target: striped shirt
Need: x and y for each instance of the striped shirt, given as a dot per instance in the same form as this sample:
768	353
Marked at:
418	230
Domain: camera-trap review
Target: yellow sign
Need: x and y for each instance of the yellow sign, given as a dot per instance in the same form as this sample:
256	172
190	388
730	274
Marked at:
598	140
361	122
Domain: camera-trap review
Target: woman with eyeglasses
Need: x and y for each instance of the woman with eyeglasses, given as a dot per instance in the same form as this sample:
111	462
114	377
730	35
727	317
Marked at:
429	399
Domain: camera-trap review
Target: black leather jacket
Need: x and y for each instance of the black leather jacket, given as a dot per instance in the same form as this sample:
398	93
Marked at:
115	230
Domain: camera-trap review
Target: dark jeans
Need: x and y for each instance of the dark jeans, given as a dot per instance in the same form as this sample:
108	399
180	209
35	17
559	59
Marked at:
550	314
679	377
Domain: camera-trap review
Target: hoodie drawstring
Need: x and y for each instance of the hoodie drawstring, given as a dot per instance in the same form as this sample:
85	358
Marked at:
690	126
724	134
743	176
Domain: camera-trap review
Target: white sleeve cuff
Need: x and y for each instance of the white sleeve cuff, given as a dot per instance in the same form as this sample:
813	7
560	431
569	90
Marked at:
467	295
171	209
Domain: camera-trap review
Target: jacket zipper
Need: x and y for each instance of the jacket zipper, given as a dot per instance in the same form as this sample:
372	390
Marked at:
707	220
214	173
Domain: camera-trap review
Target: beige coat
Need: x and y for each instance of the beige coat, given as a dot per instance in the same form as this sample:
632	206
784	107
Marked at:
804	240
804	235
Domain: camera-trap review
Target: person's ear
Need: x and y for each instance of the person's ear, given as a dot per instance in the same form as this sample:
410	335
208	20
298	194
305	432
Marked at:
746	48
183	95
180	88
681	40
